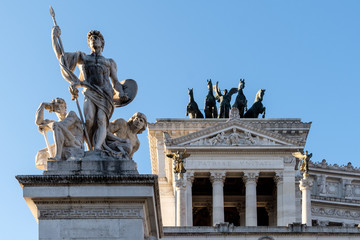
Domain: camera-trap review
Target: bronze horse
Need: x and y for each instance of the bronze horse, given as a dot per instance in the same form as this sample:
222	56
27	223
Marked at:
192	109
210	102
257	107
240	101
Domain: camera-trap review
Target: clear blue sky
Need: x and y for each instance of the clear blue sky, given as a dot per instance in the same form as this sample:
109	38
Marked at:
304	53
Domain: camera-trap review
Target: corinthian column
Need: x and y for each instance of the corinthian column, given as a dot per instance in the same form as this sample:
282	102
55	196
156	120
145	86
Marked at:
217	179
189	213
250	179
180	202
305	187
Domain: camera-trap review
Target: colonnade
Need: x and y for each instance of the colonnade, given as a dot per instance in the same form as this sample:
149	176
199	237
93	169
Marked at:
285	202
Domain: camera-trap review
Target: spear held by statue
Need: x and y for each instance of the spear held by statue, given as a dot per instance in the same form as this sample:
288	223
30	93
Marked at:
72	79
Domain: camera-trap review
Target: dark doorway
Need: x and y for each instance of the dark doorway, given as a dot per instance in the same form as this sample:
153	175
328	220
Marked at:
201	216
262	217
232	216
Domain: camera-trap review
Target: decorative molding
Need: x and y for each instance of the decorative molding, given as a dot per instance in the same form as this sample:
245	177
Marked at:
37	180
212	131
324	165
334	212
86	213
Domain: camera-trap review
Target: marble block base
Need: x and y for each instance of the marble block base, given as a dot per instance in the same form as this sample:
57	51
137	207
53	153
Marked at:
91	167
92	163
94	206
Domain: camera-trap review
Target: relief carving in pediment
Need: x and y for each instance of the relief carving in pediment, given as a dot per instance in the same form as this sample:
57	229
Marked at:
234	137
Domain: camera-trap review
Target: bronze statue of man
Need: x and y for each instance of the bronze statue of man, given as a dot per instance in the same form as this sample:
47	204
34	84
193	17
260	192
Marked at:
95	72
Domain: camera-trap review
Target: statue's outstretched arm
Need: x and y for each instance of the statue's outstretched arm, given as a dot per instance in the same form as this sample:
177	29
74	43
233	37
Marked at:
55	34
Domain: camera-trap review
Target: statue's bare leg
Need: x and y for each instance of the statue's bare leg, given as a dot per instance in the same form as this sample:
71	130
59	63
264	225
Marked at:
59	142
100	133
89	112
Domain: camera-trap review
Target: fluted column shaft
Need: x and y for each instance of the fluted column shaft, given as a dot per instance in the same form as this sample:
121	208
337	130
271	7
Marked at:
250	180
279	180
180	202
217	179
189	208
305	187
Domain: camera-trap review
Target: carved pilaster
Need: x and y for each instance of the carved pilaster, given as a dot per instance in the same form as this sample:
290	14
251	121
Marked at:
348	189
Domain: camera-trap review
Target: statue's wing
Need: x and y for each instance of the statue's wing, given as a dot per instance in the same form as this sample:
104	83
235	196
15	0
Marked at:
130	88
185	155
217	91
299	155
171	155
232	91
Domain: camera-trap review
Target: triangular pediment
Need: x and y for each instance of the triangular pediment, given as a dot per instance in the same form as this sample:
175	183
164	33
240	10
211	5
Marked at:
231	134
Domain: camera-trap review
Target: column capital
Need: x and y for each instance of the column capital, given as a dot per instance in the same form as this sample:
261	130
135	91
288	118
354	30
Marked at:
305	184
250	176
279	177
180	183
190	176
217	176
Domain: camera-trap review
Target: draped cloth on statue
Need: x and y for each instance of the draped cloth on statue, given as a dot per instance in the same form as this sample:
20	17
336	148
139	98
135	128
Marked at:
101	98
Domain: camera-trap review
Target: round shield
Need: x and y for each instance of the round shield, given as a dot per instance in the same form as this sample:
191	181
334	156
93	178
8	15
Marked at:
130	88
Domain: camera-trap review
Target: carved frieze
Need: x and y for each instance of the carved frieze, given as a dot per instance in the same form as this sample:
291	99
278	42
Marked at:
332	188
334	212
90	213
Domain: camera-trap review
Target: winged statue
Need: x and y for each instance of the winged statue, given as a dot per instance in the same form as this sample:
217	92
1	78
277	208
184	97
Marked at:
224	99
179	161
305	158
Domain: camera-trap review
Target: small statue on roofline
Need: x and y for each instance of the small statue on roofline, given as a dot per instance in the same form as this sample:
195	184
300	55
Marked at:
178	158
305	162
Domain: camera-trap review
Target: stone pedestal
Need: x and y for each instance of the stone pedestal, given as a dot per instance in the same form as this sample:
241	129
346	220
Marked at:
305	187
94	206
93	163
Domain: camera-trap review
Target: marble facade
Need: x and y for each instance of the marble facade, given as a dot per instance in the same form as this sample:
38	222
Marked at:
251	151
221	149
